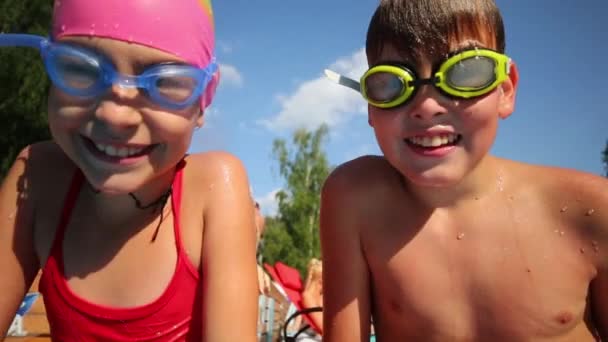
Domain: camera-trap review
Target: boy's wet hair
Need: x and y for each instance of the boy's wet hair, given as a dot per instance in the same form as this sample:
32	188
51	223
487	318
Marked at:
429	28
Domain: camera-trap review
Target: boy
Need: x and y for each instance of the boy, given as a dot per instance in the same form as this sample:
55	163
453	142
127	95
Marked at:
436	239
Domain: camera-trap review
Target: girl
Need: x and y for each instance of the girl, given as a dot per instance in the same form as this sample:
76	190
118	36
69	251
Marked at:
136	240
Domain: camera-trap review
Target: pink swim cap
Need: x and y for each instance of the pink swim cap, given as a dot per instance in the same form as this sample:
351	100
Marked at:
183	28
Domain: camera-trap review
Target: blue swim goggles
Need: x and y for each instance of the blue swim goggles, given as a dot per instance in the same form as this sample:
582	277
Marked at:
83	73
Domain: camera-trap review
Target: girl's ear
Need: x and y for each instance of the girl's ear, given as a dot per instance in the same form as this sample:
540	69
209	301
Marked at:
508	90
200	121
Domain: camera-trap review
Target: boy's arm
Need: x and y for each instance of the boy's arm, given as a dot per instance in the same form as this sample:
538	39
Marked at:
229	272
599	286
18	261
346	299
599	303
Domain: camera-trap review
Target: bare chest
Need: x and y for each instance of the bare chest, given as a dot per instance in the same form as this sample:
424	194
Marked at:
484	277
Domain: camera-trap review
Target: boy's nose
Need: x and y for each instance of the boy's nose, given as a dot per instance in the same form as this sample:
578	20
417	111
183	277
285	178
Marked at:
428	104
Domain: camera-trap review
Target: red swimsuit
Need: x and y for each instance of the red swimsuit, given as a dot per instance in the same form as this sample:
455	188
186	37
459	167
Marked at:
174	316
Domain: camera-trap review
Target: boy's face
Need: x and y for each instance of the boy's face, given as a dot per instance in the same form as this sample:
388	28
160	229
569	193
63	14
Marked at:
121	140
435	140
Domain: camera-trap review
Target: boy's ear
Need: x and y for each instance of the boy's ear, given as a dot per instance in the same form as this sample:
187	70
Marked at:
508	90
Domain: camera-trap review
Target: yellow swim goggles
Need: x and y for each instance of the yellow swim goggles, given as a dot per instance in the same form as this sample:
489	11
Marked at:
465	74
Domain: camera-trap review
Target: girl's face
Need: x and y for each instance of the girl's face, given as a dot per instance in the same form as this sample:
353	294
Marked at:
121	140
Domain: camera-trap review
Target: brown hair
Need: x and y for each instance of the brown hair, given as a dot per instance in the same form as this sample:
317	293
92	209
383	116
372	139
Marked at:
427	28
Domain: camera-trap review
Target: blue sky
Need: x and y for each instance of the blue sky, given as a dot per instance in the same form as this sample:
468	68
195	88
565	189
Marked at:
273	53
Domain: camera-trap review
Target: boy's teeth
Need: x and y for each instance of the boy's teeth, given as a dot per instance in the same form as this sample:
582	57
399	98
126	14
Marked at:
121	152
435	141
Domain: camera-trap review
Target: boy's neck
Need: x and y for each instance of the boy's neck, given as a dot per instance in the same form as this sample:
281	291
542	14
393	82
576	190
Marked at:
486	178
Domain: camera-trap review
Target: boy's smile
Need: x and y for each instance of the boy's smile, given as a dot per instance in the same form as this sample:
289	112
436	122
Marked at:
433	143
435	140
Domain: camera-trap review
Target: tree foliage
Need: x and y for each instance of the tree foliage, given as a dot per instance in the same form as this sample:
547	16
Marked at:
23	82
293	235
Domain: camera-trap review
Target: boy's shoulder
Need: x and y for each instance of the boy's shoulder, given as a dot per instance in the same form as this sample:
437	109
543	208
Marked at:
365	174
357	185
580	198
559	181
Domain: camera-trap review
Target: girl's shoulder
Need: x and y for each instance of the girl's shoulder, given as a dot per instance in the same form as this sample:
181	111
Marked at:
40	169
213	167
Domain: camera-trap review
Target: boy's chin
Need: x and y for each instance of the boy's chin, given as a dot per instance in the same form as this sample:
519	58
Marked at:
440	179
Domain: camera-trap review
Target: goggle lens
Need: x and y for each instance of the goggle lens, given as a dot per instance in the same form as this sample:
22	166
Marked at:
74	72
384	87
175	88
471	73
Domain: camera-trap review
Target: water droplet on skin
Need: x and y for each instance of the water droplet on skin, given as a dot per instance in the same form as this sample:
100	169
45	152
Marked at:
556	231
582	250
562	233
590	212
500	183
564	209
594	243
460	236
11	216
596	249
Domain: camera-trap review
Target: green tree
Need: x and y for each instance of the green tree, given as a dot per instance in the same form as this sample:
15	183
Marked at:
23	83
606	159
293	235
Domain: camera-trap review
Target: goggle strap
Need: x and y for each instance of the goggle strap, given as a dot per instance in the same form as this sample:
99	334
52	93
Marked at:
22	40
342	80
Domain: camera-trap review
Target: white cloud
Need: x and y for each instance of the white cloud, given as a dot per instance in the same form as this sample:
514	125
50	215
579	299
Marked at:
230	76
268	203
320	100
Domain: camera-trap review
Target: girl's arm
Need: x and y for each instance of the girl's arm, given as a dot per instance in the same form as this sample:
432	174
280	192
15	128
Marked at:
18	261
229	273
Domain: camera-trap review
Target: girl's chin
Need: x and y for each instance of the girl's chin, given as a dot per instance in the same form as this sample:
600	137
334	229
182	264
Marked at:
113	186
